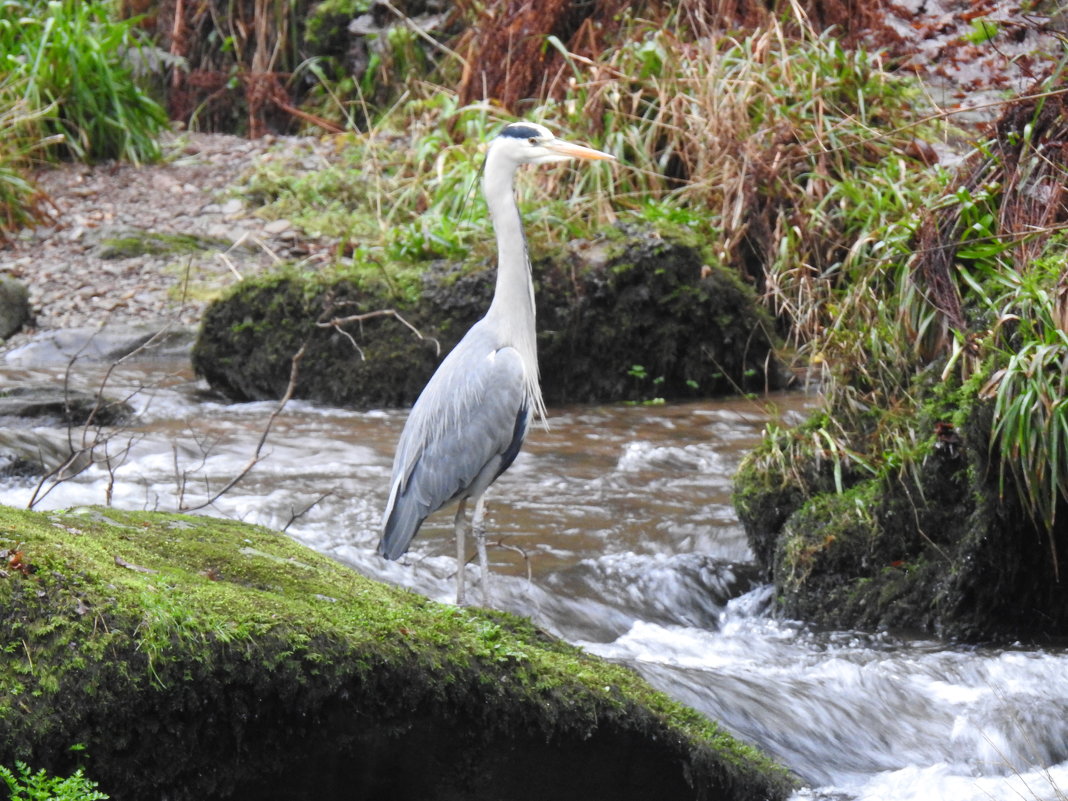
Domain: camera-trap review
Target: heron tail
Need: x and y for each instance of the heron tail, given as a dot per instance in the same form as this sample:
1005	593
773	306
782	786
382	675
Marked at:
401	523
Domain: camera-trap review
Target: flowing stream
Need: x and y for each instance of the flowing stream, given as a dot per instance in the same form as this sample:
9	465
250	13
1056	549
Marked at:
613	529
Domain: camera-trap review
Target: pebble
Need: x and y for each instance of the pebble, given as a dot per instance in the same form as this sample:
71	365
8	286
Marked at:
277	226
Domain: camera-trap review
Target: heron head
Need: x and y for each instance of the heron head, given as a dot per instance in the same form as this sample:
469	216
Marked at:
530	143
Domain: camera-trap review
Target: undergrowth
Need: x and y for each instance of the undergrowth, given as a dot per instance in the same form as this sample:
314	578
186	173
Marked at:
24	784
67	90
772	149
961	301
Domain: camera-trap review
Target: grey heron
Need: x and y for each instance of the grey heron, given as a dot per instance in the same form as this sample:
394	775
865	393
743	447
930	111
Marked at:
470	420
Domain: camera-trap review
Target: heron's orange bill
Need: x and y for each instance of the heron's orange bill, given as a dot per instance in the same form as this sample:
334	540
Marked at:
571	150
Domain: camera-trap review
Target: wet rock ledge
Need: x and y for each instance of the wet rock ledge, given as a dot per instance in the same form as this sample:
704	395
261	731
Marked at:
633	316
193	658
945	548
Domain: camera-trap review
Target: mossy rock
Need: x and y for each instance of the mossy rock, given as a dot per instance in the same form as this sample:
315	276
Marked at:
193	658
941	548
631	317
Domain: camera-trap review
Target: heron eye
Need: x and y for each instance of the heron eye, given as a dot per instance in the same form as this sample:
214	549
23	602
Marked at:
533	140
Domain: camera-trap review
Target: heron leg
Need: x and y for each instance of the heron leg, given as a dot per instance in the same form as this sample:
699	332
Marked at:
459	525
478	527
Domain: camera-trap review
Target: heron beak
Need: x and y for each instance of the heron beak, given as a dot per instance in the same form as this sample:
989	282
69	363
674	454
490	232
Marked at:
572	151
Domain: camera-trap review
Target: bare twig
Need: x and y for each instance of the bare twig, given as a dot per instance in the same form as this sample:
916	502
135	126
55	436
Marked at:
229	264
56	475
500	543
84	447
419	31
113	466
294	516
257	456
337	322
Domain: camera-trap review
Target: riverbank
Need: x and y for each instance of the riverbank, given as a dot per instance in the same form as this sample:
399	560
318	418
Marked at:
152	244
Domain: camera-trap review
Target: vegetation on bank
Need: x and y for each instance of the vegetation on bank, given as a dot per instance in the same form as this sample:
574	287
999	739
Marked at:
24	784
931	489
68	89
205	657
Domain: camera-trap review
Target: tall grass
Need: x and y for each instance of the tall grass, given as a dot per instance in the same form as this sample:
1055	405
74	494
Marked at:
70	62
965	298
1029	385
20	200
66	90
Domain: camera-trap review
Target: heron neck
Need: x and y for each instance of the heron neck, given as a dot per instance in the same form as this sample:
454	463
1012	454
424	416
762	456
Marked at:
512	310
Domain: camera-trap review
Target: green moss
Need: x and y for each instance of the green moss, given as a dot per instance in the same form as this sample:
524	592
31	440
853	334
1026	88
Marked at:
920	536
327	25
155	243
136	632
828	530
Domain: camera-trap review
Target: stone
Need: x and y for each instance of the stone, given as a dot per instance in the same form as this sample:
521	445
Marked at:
277	226
44	404
99	345
232	206
14	306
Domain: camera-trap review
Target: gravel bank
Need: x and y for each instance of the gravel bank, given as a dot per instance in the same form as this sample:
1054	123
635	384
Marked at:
149	244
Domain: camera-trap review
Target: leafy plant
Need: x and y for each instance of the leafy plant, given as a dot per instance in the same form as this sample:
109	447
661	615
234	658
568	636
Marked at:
25	785
20	200
982	31
1030	390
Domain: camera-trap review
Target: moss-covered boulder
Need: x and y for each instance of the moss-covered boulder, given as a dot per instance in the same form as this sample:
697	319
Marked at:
936	542
629	317
191	658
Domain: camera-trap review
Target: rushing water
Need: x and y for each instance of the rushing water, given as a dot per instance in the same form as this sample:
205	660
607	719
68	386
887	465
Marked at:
613	529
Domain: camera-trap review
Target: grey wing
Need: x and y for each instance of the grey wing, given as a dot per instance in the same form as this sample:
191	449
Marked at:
463	432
